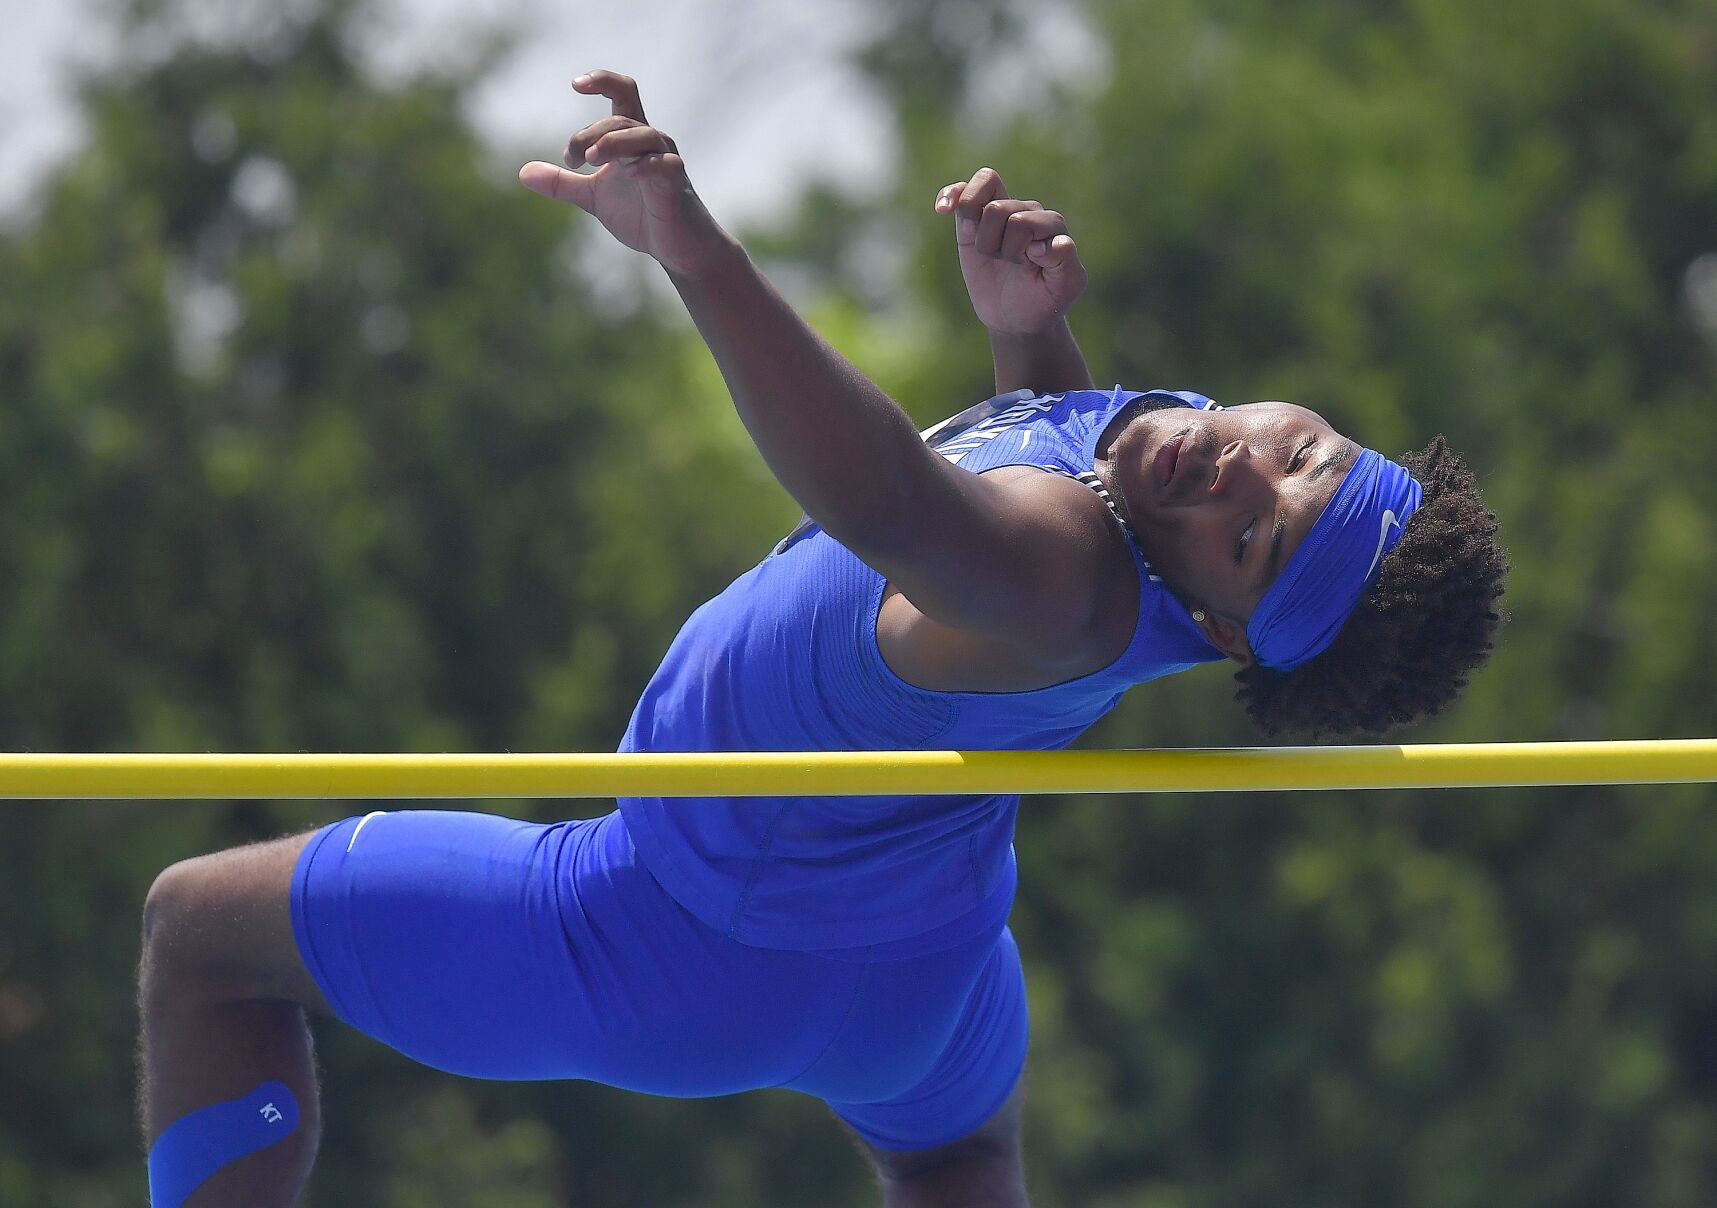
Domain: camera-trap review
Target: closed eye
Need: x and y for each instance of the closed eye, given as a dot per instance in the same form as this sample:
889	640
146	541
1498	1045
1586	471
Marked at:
1245	540
1294	463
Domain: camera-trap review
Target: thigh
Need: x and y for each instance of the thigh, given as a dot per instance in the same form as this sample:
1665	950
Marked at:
965	1081
503	949
985	1167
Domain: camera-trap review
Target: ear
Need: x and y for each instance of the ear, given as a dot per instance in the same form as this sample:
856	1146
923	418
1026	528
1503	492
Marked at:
1228	636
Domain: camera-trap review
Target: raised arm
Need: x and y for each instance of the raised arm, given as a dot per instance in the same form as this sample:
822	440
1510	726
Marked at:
1044	363
972	553
1022	273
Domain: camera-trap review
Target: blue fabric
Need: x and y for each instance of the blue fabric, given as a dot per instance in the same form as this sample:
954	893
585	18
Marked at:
193	1147
502	949
1341	556
786	659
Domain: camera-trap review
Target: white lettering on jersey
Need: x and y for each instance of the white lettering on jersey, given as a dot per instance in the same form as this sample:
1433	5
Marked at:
988	429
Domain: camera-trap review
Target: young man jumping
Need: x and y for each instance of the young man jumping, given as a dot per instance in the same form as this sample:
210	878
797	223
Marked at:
999	582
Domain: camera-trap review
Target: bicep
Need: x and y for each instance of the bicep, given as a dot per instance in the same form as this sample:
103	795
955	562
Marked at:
1007	555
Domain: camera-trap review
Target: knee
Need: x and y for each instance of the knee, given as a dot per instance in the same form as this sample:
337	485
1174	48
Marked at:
219	928
162	900
172	911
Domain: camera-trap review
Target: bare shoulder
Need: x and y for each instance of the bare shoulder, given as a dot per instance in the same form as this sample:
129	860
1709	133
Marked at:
1077	616
1087	558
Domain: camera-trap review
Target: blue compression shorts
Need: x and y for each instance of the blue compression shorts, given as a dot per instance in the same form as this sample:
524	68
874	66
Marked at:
502	949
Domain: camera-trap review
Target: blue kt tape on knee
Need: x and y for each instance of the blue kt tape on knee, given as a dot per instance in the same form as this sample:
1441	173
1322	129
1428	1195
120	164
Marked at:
194	1147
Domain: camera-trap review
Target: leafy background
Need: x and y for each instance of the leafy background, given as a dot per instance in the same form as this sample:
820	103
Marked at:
314	436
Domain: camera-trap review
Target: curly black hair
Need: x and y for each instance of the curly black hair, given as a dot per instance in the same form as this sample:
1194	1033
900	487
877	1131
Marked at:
1419	630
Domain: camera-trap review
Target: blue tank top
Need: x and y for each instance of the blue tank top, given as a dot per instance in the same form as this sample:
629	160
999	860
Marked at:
786	659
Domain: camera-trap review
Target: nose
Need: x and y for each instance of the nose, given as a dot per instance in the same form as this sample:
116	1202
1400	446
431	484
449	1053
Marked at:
1233	454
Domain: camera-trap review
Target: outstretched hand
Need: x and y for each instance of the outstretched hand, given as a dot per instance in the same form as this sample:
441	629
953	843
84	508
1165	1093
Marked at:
639	190
1022	270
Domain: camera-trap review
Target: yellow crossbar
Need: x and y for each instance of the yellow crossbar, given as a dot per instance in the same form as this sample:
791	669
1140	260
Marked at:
1234	769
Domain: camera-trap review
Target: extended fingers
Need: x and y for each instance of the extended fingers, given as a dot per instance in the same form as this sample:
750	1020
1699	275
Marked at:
625	134
621	89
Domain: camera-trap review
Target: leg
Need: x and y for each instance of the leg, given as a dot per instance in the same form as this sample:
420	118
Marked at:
949	1138
475	944
982	1170
221	995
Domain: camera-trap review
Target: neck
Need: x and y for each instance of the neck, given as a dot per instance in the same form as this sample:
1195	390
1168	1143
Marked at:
1118	423
1103	457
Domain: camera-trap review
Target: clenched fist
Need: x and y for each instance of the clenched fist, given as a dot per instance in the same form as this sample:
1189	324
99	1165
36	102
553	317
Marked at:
1021	268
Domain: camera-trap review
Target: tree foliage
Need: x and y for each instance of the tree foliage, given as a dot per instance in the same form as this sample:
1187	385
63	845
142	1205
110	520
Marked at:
314	438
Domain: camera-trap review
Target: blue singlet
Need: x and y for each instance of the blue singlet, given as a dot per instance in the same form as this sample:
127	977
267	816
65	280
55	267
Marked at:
852	949
787	659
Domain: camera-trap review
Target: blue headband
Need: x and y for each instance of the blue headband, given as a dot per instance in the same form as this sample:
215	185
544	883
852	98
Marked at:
1305	608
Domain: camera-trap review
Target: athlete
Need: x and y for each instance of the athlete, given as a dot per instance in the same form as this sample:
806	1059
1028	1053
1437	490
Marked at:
996	583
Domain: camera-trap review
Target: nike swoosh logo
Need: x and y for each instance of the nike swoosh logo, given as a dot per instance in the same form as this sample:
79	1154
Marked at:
1382	536
363	822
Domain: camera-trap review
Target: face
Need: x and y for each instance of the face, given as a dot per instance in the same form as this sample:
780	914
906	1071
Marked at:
1220	500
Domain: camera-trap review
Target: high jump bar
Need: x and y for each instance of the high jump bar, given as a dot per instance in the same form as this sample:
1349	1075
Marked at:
855	773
